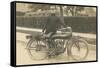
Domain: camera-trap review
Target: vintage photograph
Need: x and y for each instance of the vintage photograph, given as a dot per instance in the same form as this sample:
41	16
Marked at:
55	33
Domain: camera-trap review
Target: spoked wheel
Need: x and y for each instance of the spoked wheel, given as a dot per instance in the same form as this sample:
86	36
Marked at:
79	50
37	49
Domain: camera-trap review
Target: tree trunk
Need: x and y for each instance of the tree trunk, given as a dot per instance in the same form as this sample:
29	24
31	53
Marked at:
61	11
61	14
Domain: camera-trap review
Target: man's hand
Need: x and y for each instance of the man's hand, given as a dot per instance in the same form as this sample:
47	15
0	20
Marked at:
64	26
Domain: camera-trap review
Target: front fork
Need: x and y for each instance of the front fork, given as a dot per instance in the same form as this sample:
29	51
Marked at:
74	42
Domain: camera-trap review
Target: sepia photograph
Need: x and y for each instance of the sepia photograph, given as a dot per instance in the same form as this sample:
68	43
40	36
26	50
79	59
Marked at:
55	33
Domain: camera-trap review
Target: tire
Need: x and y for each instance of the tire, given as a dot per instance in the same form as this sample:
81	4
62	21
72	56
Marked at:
79	50
36	50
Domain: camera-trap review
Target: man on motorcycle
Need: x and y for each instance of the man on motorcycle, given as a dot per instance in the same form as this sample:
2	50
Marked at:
52	24
50	29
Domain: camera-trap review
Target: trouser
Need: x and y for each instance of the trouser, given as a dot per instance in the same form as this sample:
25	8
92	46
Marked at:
50	33
51	42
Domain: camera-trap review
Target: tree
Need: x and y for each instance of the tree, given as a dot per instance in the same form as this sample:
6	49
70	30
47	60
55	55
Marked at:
18	13
74	10
61	14
35	7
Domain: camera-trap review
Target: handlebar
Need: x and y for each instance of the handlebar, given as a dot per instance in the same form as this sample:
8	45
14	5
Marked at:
65	29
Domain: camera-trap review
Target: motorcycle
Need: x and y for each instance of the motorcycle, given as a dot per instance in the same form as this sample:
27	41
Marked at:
42	46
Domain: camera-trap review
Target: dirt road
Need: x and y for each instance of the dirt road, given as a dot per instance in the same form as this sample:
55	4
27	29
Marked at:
24	58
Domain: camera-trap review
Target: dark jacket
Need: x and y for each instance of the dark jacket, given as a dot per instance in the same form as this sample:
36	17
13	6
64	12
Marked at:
52	23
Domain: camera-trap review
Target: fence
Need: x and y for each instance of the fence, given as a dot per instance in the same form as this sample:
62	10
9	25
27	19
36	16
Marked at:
78	24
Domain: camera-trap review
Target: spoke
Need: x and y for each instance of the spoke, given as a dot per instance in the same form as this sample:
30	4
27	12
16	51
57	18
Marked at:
37	50
79	50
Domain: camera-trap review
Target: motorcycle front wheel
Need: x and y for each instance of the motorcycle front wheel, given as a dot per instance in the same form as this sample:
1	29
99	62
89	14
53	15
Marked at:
79	50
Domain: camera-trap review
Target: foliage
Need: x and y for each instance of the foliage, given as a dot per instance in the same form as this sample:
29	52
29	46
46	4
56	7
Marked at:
74	10
35	7
78	24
